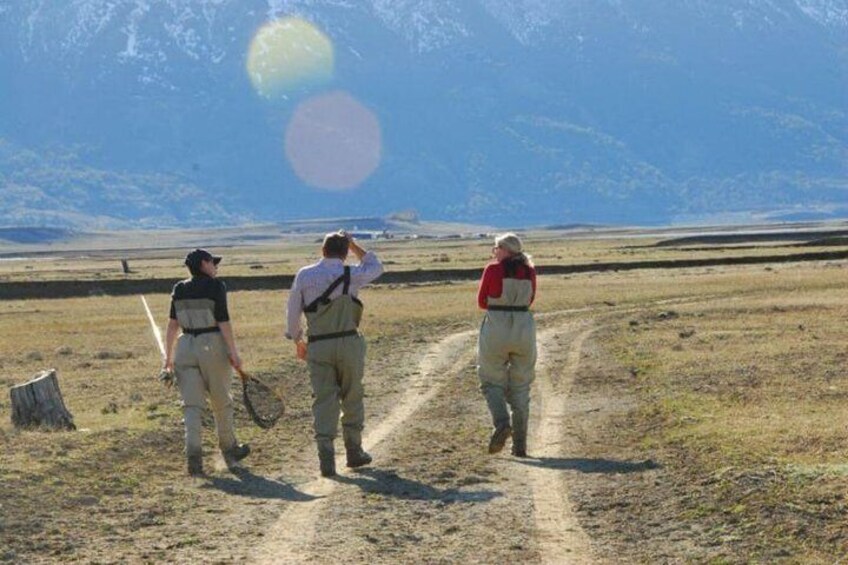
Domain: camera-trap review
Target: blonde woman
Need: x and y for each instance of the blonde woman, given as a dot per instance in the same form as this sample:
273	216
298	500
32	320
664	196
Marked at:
506	349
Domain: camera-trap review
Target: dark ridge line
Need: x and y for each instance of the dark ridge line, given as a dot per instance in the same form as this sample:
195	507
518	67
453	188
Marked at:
20	290
800	235
115	253
838	241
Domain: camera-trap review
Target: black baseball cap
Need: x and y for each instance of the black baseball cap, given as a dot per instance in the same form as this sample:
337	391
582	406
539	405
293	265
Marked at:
193	259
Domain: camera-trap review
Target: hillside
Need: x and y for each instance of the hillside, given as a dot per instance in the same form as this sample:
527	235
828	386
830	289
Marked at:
489	111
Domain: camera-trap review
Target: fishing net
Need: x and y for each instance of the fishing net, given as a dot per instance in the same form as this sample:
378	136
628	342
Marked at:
263	403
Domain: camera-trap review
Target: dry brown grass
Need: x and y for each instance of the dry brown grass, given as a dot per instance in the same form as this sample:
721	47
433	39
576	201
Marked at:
747	393
742	400
117	487
285	257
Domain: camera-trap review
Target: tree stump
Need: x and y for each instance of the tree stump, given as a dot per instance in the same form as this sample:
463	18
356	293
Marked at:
39	403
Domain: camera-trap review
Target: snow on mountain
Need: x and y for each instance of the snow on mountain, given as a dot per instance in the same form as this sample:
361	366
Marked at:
205	30
130	30
826	12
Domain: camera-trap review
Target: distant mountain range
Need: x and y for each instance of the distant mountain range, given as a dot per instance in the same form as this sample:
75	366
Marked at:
141	112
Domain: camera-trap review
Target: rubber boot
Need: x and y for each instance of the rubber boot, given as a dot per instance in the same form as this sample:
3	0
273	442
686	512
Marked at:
519	444
357	457
499	437
519	434
236	453
519	400
327	459
195	465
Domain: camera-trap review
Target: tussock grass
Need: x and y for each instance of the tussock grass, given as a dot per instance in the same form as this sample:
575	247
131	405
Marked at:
750	413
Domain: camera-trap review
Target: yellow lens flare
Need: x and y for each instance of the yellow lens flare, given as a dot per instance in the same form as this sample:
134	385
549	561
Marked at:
288	55
333	142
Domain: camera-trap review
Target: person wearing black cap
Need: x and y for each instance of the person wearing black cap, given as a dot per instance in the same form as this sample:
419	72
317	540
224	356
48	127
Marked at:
203	355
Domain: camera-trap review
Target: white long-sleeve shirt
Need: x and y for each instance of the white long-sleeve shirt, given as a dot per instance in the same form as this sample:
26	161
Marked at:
311	282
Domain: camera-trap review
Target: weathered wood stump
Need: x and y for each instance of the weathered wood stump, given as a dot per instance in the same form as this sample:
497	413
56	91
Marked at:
39	403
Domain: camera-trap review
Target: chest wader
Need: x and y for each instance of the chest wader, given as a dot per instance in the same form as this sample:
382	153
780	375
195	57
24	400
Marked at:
506	356
202	367
336	359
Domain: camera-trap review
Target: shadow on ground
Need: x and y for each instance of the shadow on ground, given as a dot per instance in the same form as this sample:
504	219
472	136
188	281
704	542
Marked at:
584	465
254	486
389	483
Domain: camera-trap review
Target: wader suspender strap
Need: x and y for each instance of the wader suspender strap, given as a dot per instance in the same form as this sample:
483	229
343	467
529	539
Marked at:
510	267
325	297
346	276
508	308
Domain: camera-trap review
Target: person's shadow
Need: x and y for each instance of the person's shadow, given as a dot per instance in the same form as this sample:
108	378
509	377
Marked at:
584	465
389	483
253	486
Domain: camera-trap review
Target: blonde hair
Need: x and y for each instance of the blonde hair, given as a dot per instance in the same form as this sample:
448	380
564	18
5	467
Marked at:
512	243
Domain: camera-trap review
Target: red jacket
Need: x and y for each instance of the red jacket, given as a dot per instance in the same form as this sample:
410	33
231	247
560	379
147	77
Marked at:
491	285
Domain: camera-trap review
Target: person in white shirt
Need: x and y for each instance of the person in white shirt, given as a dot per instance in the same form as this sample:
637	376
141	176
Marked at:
326	293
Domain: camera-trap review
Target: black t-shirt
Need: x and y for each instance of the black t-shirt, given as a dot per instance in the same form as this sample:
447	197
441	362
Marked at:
202	287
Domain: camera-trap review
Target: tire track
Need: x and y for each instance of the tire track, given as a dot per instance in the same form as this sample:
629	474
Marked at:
560	537
290	538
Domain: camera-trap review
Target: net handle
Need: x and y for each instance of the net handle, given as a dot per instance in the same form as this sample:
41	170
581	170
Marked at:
244	376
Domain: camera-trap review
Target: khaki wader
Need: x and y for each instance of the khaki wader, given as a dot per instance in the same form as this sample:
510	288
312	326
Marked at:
506	356
336	359
202	366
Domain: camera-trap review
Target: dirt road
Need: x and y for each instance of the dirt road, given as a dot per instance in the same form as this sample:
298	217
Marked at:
432	494
557	530
638	384
291	536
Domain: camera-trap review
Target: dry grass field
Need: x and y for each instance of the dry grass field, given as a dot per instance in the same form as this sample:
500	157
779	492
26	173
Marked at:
278	256
679	415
